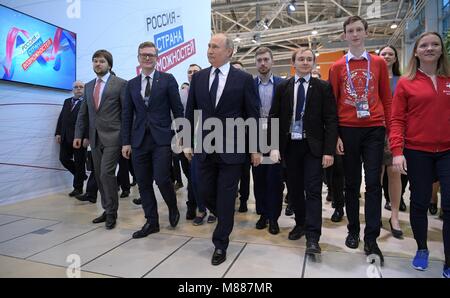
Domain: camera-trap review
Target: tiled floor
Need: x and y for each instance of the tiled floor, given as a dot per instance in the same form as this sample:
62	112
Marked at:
37	236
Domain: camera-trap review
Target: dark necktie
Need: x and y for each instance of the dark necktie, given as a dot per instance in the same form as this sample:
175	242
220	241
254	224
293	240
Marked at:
214	86
300	99
147	87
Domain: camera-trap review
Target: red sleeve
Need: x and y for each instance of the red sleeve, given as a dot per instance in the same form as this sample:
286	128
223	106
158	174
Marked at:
385	93
333	79
398	118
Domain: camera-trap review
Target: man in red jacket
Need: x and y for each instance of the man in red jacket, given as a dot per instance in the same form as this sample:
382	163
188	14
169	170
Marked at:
360	84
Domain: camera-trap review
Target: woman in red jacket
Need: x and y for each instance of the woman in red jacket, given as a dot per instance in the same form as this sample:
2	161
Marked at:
420	137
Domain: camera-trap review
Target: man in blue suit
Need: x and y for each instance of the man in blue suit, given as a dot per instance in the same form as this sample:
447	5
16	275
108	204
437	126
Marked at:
267	178
220	92
146	130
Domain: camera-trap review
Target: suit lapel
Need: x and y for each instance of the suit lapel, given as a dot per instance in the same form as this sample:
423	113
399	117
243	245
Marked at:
290	93
229	80
155	83
105	89
136	89
310	92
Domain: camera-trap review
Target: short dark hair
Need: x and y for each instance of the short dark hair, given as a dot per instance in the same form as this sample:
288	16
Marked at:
105	54
353	19
301	50
237	62
148	44
263	50
194	64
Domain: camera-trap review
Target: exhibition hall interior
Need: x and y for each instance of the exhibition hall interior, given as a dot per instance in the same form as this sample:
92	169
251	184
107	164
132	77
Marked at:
98	178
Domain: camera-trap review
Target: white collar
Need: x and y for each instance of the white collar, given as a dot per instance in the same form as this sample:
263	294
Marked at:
224	69
364	55
307	78
104	78
151	75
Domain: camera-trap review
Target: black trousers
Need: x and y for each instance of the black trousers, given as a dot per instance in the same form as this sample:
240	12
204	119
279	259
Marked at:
304	178
74	160
244	185
123	175
217	184
364	144
335	181
423	168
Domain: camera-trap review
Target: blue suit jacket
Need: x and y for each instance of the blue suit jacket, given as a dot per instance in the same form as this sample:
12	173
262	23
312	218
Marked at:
136	116
238	100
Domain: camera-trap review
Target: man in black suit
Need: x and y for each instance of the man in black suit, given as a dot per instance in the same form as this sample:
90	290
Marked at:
220	92
72	159
150	99
307	116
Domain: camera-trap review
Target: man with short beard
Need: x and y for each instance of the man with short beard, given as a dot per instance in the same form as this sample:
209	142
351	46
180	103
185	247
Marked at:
101	112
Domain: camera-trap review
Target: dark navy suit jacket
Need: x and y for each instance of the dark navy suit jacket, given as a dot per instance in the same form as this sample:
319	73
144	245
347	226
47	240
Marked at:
137	117
238	100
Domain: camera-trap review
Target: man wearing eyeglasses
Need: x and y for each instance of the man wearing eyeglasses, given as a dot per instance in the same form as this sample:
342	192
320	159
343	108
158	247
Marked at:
72	159
150	99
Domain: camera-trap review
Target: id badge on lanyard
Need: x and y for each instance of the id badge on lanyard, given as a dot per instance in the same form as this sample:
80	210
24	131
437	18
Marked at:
297	130
362	103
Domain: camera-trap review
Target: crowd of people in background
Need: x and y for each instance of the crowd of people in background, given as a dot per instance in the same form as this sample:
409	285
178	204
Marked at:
367	116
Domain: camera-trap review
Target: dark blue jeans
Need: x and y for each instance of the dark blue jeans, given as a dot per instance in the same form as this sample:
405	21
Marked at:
423	168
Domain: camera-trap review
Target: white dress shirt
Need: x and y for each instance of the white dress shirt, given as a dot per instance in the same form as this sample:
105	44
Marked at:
102	86
364	55
223	74
144	82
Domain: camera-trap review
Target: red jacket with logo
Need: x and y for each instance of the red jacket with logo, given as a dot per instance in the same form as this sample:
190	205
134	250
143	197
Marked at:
420	115
379	94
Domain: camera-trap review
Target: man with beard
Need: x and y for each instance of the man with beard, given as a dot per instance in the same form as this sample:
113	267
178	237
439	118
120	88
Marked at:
267	178
101	112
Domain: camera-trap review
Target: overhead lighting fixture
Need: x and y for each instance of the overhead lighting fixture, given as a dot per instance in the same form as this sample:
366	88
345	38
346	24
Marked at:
377	51
291	7
318	66
394	25
266	24
256	38
237	39
317	54
314	32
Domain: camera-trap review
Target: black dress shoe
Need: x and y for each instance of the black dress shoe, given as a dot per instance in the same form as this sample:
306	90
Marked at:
296	233
219	256
352	241
146	230
174	216
86	198
329	198
387	206
137	201
190	213
75	192
243	207
273	227
312	247
371	248
100	219
396	233
125	193
288	211
110	222
337	215
133	183
402	206
261	223
433	209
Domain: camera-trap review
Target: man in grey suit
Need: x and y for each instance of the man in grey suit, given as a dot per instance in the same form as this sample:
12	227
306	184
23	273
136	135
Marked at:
101	112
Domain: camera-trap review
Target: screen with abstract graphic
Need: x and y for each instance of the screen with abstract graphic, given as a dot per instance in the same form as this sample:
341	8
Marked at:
35	52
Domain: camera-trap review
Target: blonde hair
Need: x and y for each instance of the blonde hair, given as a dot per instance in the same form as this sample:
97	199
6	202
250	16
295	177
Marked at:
443	66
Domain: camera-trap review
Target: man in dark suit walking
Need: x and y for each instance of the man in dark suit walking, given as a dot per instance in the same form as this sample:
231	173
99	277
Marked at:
220	92
72	159
101	113
150	99
307	116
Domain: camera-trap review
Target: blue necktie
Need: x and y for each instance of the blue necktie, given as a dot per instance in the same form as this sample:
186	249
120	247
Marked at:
300	99
214	86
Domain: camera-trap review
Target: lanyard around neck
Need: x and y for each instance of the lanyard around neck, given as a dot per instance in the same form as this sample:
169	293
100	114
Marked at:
349	76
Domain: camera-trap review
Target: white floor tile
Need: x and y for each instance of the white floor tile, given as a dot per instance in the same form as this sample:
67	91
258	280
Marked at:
193	260
136	257
87	246
22	227
4	219
268	261
40	240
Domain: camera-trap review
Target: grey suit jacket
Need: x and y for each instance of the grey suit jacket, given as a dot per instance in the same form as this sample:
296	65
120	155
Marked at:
104	124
